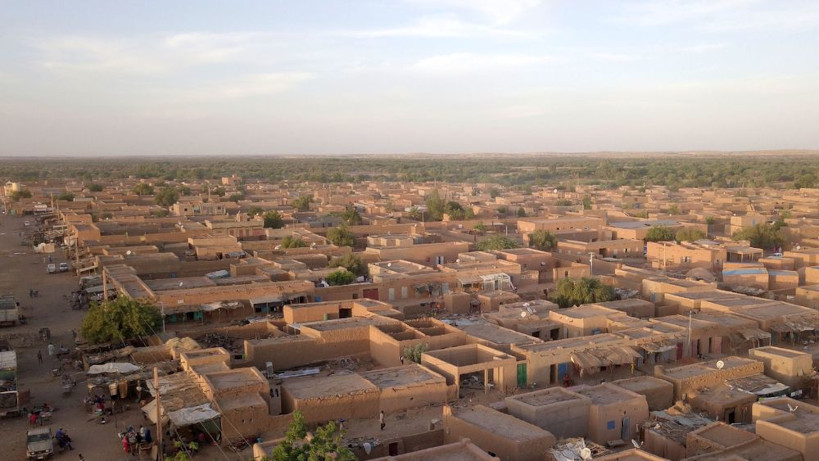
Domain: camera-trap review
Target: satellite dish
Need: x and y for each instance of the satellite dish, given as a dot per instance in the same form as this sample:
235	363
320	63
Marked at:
128	253
720	365
585	453
368	447
635	443
526	304
523	314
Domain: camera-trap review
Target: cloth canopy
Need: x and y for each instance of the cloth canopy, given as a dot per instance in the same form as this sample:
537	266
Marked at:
113	367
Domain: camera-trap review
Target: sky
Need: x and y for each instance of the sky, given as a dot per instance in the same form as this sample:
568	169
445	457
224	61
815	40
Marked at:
280	77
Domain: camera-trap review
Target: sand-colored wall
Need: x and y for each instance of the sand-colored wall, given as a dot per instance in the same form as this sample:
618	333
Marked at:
788	370
662	446
600	429
498	443
360	405
715	377
569	418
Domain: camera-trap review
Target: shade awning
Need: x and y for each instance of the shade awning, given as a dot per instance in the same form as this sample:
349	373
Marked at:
192	415
659	345
594	359
209	307
267	299
754	334
470	279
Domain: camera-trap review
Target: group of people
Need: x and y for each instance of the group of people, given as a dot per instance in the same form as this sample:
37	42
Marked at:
131	439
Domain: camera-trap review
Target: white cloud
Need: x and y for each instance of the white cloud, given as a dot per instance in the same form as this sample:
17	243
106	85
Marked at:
724	15
440	26
498	12
617	57
459	63
245	87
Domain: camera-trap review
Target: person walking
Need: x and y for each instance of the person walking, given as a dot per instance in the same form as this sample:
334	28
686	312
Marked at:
52	349
382	420
39	357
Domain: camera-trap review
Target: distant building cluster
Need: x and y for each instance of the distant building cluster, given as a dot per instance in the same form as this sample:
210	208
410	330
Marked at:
706	352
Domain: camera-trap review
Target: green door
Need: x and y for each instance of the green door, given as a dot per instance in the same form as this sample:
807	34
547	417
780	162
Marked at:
521	375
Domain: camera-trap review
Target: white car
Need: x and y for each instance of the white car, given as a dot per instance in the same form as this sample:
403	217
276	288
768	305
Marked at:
63	267
52	268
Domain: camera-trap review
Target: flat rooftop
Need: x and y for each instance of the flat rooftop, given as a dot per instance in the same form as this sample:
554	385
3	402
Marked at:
497	334
587	311
703	368
403	376
586	342
546	397
500	423
179	283
311	387
605	394
641	384
351	322
725	435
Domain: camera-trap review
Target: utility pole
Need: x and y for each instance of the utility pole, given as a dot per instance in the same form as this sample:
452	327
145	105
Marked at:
160	452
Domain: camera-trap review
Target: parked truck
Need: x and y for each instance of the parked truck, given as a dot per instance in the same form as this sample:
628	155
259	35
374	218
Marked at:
9	311
9	395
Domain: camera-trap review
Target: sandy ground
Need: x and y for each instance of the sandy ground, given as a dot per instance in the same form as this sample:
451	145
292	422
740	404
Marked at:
21	269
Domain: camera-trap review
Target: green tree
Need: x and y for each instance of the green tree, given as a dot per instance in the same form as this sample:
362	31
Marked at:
659	234
341	236
143	189
435	206
255	210
415	351
543	240
327	443
587	203
219	191
66	196
22	193
497	242
563	202
352	262
236	197
302	203
481	228
573	292
185	190
806	181
293	242
455	211
689	234
123	318
341	277
494	193
351	216
273	220
674	209
167	196
765	236
521	212
95	187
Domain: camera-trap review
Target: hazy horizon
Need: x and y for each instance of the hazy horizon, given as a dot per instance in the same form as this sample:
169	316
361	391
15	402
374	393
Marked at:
414	76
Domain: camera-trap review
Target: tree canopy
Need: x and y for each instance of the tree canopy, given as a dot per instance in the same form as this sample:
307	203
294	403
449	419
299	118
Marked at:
497	242
659	234
143	189
341	277
167	196
573	292
273	220
302	203
293	242
95	187
326	444
341	236
765	236
351	216
352	262
122	318
543	240
689	234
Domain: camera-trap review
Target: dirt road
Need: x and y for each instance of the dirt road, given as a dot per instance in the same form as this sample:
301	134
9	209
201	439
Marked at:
20	270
